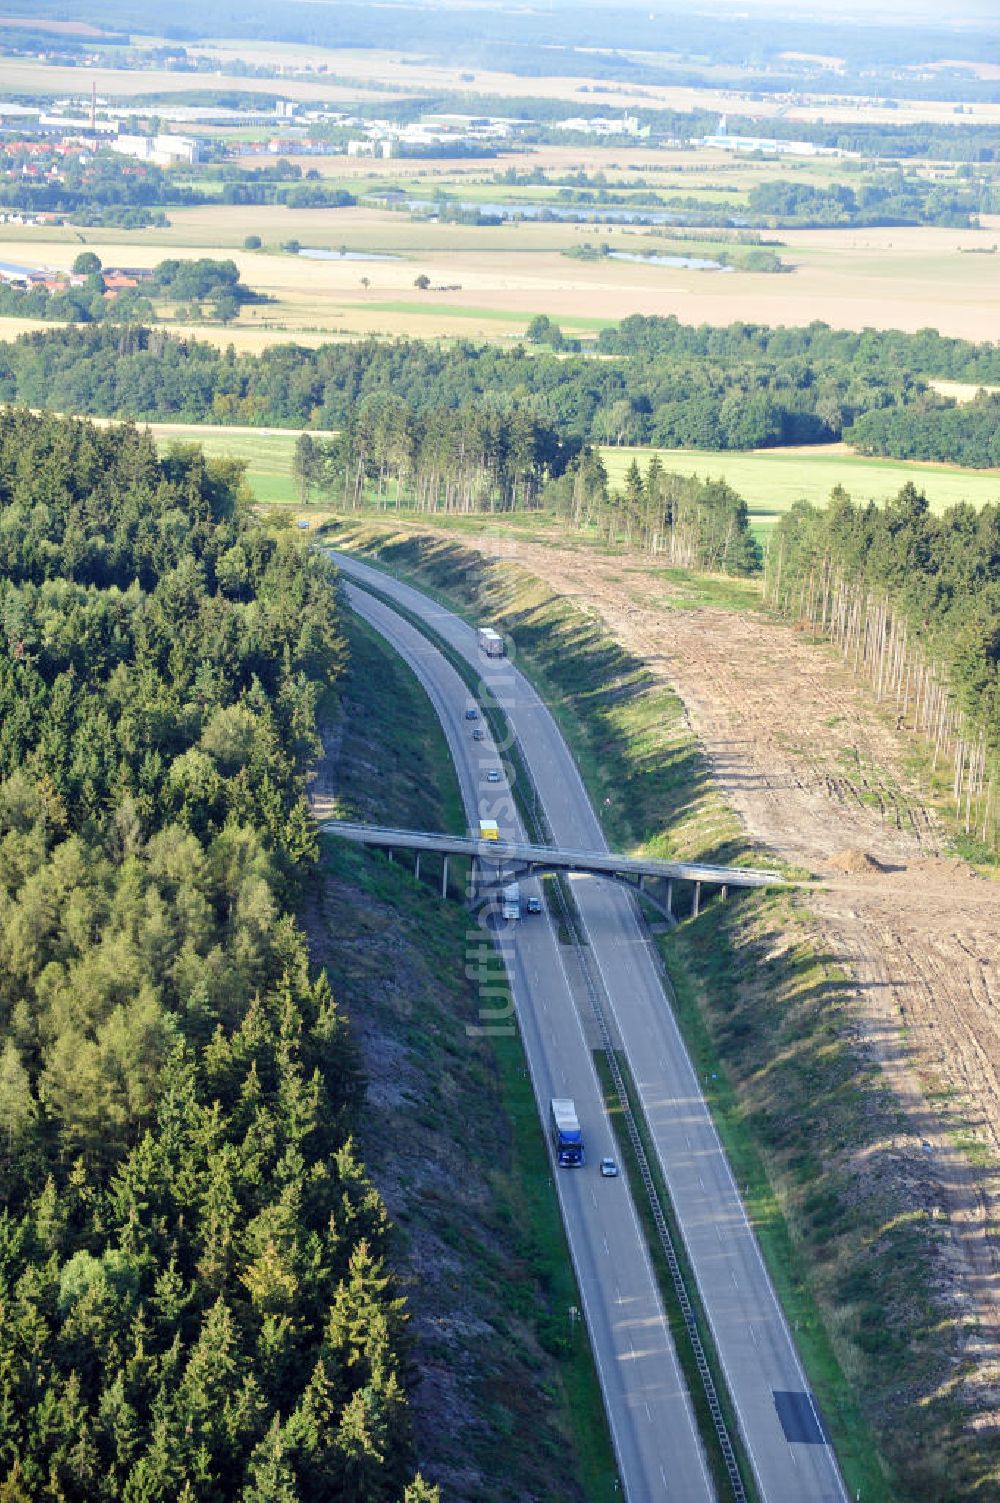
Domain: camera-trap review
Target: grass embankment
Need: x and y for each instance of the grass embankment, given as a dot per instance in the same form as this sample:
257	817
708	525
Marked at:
509	1404
800	1105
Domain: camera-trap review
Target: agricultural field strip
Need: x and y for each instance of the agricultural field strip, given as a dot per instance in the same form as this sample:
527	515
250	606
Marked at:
648	1407
752	1339
904	278
772	480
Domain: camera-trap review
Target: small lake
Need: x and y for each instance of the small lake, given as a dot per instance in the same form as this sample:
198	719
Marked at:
564	213
317	253
693	263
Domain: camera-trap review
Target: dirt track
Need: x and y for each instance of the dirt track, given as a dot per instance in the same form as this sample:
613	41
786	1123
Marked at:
817	773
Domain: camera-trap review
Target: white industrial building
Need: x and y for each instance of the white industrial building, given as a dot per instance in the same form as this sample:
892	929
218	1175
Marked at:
165	151
723	141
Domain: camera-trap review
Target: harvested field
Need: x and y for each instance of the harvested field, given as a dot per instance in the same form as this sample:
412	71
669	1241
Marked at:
23	75
368	66
819	774
498	276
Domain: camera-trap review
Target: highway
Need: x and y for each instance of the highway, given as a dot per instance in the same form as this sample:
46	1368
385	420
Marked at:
779	1424
657	1446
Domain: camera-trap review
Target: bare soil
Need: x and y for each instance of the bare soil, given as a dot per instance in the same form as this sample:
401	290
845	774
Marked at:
817	772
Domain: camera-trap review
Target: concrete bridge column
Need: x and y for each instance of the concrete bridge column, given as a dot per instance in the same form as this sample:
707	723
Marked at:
696	903
670	897
444	878
416	867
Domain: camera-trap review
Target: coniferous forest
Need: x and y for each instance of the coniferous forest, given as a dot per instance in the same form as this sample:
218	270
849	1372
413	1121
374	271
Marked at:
195	1301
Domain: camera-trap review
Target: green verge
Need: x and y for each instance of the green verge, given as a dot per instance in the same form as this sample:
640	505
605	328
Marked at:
416	784
634	747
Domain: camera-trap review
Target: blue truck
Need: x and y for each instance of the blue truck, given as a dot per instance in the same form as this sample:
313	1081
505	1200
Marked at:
567	1139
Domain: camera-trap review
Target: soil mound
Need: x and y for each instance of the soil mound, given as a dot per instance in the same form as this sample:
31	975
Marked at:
855	863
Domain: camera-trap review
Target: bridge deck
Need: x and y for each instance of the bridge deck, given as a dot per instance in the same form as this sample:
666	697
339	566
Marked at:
551	859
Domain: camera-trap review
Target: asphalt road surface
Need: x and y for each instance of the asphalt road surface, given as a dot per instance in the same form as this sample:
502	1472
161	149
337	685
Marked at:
658	1449
781	1428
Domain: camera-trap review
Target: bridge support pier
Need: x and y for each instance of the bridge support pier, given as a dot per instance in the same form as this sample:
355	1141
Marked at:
724	893
696	902
389	853
670	897
416	868
444	878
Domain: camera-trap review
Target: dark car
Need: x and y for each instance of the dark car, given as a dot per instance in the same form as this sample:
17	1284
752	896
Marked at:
479	734
472	713
532	905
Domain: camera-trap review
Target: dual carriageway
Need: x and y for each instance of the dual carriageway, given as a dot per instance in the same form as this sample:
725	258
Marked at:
656	1440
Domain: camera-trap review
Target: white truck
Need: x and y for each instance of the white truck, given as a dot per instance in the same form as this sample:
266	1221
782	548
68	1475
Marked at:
490	642
512	901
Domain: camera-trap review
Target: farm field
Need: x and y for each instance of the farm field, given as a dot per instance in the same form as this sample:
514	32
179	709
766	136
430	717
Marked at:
897	278
21	75
772	480
387	69
266	452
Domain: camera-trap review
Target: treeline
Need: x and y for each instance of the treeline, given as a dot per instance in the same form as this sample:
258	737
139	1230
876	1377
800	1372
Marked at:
107	185
692	523
926	353
485	458
741	387
111	188
477	457
966	433
191	1257
913	600
195	282
721	401
887	200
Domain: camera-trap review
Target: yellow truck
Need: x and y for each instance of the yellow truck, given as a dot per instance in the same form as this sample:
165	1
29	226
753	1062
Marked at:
489	829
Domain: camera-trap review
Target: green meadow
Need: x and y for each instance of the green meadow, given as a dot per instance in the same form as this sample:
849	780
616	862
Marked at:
772	480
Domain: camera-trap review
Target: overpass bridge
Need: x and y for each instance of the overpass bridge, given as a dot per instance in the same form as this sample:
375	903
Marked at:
518	857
